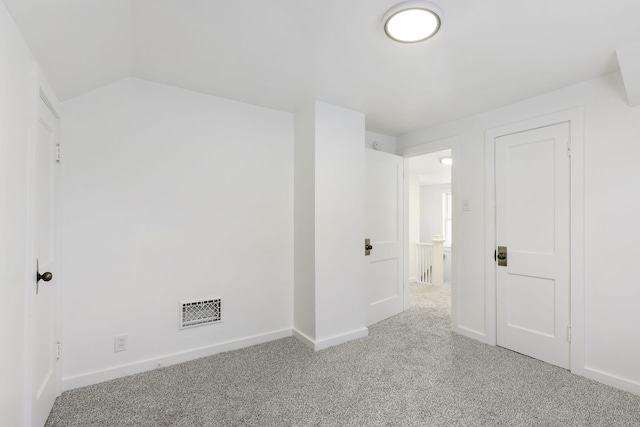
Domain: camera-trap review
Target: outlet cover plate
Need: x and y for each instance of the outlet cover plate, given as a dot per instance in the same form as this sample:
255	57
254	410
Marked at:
120	343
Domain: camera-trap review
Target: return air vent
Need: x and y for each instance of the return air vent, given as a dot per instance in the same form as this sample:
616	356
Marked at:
200	312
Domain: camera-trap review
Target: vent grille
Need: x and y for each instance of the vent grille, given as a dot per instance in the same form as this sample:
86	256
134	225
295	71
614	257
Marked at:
200	312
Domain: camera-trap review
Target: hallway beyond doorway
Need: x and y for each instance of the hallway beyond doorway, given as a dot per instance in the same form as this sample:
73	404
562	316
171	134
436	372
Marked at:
430	296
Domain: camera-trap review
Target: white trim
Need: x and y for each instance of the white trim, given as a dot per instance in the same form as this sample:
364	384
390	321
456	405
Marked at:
406	244
575	117
96	377
48	95
341	339
30	247
457	227
430	147
303	339
330	342
469	333
611	379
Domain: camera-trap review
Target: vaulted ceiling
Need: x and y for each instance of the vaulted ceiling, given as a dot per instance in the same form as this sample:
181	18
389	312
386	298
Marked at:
282	53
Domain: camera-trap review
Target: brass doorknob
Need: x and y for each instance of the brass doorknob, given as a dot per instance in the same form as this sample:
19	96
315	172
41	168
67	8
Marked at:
45	276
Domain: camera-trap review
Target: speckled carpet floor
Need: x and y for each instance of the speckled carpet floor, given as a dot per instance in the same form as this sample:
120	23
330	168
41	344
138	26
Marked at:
410	371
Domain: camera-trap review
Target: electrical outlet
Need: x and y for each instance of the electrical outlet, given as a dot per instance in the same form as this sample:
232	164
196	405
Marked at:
120	343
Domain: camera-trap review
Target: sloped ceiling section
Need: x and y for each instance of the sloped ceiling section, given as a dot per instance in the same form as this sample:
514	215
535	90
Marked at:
80	44
629	60
282	53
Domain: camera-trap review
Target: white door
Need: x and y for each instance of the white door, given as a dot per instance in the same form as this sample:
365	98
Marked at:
44	298
533	223
384	205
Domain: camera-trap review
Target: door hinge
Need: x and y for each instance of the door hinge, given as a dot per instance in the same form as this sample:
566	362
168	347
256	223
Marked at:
58	153
58	350
569	333
569	150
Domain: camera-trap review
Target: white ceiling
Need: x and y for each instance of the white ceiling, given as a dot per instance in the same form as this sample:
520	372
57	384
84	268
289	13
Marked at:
429	169
282	53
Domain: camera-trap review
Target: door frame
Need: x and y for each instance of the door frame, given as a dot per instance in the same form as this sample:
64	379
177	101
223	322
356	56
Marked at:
575	118
42	93
451	143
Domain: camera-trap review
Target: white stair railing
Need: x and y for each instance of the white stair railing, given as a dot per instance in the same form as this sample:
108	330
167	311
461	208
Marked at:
429	260
438	261
424	260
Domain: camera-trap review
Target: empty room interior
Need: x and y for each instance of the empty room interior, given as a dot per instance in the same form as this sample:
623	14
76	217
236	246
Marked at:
298	212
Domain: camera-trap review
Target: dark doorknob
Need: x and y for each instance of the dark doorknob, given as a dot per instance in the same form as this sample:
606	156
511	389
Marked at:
368	247
45	276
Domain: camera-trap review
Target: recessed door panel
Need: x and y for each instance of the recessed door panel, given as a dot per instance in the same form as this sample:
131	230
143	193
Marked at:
531	302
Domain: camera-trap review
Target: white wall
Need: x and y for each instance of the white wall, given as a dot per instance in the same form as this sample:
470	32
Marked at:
17	120
304	304
431	198
414	218
340	172
431	211
387	142
329	225
612	152
172	195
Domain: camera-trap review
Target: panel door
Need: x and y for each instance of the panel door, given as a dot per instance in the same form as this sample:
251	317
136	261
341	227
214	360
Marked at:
384	207
44	299
533	222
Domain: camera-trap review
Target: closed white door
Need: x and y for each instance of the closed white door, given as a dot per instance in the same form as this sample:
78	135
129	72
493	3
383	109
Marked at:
533	223
44	299
384	205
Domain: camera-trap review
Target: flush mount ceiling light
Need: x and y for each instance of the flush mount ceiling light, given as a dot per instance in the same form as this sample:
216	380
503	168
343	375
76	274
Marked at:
412	21
446	161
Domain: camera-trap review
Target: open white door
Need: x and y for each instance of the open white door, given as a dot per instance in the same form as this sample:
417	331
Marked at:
44	298
533	223
384	207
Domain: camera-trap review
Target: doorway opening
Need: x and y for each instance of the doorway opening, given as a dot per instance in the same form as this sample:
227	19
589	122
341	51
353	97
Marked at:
430	230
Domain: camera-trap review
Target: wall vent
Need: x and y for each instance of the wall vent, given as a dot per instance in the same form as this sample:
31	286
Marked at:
200	312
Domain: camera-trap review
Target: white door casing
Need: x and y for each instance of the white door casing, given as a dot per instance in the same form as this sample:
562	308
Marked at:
44	363
532	178
384	226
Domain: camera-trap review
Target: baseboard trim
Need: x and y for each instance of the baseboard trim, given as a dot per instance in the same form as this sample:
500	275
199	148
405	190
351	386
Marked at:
609	379
330	342
470	333
341	339
304	339
96	377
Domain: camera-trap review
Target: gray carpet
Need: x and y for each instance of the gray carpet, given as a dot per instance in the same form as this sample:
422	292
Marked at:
410	371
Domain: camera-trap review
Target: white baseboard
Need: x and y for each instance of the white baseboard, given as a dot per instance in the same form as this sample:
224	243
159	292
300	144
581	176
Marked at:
341	339
470	333
609	379
330	342
304	339
96	377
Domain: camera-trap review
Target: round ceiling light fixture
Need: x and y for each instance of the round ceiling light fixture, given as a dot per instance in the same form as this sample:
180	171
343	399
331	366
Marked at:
412	21
447	161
